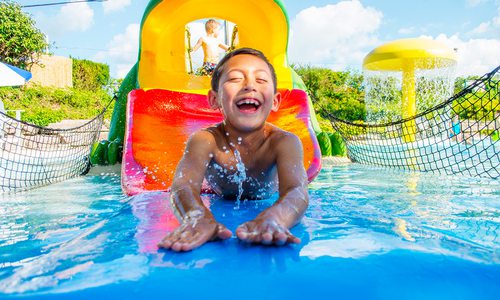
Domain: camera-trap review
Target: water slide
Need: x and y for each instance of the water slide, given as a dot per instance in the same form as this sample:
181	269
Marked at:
160	103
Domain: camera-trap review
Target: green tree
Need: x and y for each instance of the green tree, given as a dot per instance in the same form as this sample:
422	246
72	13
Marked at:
340	94
21	43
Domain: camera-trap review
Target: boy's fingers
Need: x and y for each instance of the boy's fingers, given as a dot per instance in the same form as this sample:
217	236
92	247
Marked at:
291	239
280	238
176	246
164	244
222	232
189	242
187	246
178	236
267	238
283	236
169	240
242	232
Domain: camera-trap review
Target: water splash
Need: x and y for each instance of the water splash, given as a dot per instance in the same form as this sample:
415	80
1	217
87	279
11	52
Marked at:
383	92
239	177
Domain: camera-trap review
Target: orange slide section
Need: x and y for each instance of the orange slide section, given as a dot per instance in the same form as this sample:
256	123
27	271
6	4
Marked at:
159	123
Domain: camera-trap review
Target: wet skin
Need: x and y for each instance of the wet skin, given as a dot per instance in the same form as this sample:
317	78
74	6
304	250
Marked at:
272	160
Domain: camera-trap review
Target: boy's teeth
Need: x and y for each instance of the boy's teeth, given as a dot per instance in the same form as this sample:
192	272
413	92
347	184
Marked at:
253	102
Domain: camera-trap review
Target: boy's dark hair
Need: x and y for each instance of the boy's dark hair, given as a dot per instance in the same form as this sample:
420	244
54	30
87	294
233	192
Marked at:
250	51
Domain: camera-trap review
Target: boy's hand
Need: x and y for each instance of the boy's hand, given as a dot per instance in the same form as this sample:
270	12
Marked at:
265	231
194	233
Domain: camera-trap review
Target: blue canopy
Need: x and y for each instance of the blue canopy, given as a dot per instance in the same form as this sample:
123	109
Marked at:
13	76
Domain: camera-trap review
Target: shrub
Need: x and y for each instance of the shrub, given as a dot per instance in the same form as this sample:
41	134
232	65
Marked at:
45	105
340	94
89	75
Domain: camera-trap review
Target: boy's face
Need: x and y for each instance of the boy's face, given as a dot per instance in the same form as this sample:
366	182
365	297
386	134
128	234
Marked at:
246	93
214	30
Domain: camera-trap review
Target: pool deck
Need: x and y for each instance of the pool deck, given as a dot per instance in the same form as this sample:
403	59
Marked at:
331	161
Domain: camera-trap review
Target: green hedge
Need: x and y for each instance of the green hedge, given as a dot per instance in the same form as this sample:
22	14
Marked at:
89	75
44	105
338	93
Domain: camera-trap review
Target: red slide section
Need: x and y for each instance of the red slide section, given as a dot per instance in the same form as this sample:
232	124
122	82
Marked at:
159	123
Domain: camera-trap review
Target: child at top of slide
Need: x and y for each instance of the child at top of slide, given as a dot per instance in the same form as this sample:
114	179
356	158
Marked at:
210	44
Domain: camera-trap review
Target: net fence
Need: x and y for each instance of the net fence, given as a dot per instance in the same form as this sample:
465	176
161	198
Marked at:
458	136
33	156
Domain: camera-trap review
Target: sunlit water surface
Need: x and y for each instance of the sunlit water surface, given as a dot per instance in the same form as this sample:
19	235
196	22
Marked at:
368	233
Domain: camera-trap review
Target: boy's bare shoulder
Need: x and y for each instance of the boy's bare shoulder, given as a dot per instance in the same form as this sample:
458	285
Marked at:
205	137
282	138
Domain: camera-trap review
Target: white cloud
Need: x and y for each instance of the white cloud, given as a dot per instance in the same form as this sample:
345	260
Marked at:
475	56
76	17
478	54
72	17
490	28
122	51
407	30
473	3
115	5
481	28
337	35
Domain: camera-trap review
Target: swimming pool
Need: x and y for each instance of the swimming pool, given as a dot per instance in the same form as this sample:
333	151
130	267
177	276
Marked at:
369	233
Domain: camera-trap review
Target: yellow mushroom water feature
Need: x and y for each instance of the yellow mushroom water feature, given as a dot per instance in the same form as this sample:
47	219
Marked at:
407	56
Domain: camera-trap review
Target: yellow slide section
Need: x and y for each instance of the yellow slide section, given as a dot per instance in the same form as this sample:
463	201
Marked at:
162	58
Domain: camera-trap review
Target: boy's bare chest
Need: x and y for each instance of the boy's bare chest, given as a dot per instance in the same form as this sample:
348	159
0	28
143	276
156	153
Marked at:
253	163
230	171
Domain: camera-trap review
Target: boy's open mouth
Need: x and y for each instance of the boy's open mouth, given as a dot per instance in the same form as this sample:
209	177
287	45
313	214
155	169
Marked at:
248	105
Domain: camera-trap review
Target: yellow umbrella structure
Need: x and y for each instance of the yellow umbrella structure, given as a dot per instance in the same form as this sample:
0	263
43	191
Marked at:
407	56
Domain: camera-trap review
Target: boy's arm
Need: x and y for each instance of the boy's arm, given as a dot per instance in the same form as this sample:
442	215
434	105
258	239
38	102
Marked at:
271	226
197	222
294	198
198	45
223	46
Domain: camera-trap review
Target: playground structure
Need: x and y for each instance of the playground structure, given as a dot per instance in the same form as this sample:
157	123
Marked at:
408	56
161	102
428	140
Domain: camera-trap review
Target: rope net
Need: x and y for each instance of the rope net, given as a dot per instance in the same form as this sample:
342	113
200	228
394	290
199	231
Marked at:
33	156
457	136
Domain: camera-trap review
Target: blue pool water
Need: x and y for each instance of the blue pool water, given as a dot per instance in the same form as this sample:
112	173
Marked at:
369	233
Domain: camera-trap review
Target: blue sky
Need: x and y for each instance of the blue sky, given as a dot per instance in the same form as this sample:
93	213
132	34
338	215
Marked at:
327	33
